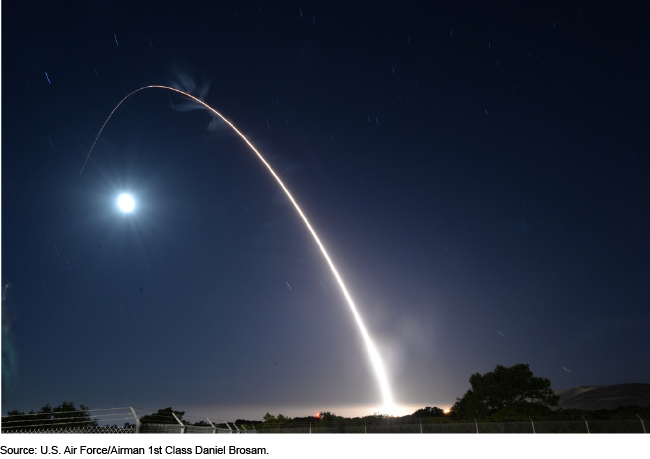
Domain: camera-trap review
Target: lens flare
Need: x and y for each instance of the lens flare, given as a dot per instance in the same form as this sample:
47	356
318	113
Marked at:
374	356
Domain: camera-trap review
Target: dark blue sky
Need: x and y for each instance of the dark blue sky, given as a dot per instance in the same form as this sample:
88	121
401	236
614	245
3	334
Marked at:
478	173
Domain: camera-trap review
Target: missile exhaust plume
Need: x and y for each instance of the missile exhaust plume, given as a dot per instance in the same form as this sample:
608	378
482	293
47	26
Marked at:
375	359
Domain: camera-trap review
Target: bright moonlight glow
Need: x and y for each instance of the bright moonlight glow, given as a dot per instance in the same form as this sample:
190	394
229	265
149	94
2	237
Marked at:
126	203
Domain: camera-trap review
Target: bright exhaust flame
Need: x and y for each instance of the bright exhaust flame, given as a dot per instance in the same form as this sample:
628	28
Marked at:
375	359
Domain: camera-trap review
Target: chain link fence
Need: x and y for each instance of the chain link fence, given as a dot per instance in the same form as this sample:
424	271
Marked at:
467	426
75	421
106	421
72	430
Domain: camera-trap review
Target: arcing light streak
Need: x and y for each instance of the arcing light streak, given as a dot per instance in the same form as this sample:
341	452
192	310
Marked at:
375	359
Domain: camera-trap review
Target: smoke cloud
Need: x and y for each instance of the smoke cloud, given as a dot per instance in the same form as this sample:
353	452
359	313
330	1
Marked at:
198	87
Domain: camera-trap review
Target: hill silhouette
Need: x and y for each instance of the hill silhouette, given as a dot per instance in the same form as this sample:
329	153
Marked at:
606	397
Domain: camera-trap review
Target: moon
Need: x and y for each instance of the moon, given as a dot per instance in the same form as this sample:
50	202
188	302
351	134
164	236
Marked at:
126	203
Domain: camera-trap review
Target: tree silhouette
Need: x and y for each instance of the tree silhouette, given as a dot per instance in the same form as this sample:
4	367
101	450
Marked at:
163	416
271	421
428	412
64	416
506	391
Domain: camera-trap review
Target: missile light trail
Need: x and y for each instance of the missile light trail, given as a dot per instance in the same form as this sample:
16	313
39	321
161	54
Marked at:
374	356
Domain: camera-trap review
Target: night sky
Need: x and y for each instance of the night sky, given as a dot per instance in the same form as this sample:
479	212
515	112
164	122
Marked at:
478	172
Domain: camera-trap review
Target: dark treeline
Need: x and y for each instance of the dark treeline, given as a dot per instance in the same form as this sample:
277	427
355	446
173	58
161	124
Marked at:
67	416
431	414
63	416
506	393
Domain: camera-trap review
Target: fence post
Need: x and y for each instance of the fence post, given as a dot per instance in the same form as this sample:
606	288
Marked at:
642	424
310	427
228	425
586	423
244	427
476	425
236	427
214	428
532	423
179	421
137	420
